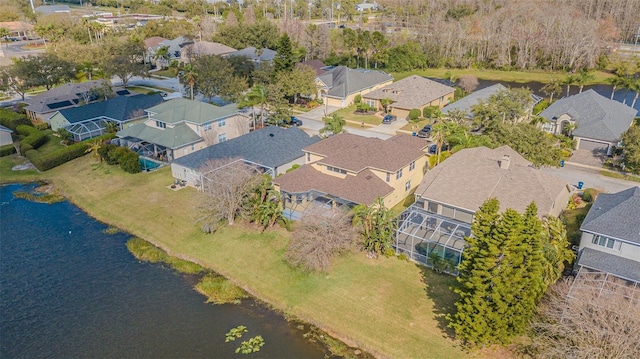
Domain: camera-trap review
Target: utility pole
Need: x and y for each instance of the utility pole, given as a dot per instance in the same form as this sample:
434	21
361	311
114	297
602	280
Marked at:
637	37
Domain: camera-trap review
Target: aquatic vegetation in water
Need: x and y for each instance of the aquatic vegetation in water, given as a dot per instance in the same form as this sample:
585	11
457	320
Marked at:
147	252
219	290
47	198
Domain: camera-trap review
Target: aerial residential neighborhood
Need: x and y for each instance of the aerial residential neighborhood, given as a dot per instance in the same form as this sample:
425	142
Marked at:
397	179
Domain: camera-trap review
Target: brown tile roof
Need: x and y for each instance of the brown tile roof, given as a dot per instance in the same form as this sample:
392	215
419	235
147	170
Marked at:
153	41
363	188
356	153
16	26
411	92
317	65
208	48
473	175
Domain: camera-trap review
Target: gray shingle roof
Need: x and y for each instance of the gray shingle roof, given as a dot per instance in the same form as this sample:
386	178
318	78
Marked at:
254	54
182	109
411	92
67	92
208	48
174	46
121	108
473	175
270	146
343	81
619	266
615	215
173	138
464	104
597	117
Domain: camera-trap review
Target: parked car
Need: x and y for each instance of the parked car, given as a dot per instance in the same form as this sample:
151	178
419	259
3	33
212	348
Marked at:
425	132
433	149
389	119
295	121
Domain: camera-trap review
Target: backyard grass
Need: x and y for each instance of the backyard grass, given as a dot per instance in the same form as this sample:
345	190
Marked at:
386	306
348	114
573	219
497	75
415	126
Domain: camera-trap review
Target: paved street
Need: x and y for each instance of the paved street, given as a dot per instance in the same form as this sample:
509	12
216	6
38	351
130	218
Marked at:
312	123
591	178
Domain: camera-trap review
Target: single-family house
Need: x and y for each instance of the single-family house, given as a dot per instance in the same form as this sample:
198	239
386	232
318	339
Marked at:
465	104
318	66
151	43
453	191
610	242
5	136
339	86
91	120
174	50
204	48
255	55
413	92
17	29
366	6
599	122
42	106
178	127
347	170
272	149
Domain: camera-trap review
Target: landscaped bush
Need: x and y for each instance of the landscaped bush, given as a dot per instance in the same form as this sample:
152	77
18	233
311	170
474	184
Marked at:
7	150
42	126
296	166
429	111
590	194
414	114
34	137
11	119
128	160
540	106
53	159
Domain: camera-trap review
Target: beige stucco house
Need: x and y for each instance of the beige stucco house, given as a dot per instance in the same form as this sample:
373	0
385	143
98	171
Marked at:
339	86
413	92
181	126
347	170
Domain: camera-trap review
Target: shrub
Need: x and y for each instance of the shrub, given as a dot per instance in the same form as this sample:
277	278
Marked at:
33	136
105	151
357	99
540	106
414	114
62	155
11	119
42	126
590	194
429	111
296	166
129	161
7	150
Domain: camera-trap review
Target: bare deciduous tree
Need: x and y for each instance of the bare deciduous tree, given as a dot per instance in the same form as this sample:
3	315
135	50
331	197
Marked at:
318	238
468	83
225	184
210	136
587	324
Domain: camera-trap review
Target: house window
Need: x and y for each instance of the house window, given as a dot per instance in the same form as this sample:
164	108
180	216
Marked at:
412	166
193	147
337	170
407	186
308	157
371	103
548	127
388	177
222	123
222	137
606	242
207	126
299	199
432	207
161	124
399	174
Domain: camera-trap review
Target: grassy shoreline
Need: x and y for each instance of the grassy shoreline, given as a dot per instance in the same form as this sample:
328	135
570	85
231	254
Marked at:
360	302
600	77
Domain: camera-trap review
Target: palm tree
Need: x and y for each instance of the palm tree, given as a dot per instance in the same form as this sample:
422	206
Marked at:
552	88
569	81
634	85
569	127
583	77
112	127
162	54
438	138
376	225
257	96
333	125
189	76
4	33
385	102
556	249
94	148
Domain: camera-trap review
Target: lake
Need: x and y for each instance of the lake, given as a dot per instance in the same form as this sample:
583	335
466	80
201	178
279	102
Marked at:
68	290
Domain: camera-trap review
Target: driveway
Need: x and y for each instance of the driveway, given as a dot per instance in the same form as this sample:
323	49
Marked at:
589	158
312	123
590	178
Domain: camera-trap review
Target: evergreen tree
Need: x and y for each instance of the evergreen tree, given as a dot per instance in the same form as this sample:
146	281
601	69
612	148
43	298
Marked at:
501	275
284	59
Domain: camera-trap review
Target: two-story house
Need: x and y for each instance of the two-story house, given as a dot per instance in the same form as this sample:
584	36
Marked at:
610	241
347	170
180	126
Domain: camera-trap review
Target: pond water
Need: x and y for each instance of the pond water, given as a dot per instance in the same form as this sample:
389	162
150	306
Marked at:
68	290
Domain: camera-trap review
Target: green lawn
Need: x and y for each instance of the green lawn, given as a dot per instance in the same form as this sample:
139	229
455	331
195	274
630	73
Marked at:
497	75
415	126
620	176
348	114
164	73
388	307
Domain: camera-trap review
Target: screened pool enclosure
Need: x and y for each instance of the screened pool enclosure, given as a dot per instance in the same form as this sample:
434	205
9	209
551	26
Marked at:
428	238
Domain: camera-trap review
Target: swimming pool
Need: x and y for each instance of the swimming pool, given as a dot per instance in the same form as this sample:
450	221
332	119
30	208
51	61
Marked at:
147	164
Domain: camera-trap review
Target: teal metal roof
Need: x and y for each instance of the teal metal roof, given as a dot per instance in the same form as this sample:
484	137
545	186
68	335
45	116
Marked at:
185	110
176	137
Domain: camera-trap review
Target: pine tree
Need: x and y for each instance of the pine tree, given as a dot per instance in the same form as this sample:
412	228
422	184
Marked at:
284	60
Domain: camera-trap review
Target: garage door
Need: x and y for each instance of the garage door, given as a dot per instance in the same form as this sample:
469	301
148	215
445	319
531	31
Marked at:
593	146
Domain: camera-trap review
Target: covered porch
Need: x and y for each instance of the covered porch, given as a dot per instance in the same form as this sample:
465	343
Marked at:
145	149
90	128
431	239
298	205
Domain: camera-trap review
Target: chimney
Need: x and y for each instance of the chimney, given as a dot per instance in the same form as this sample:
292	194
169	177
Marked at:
504	162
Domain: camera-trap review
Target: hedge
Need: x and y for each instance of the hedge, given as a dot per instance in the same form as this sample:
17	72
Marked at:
11	119
34	137
53	159
7	150
128	160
